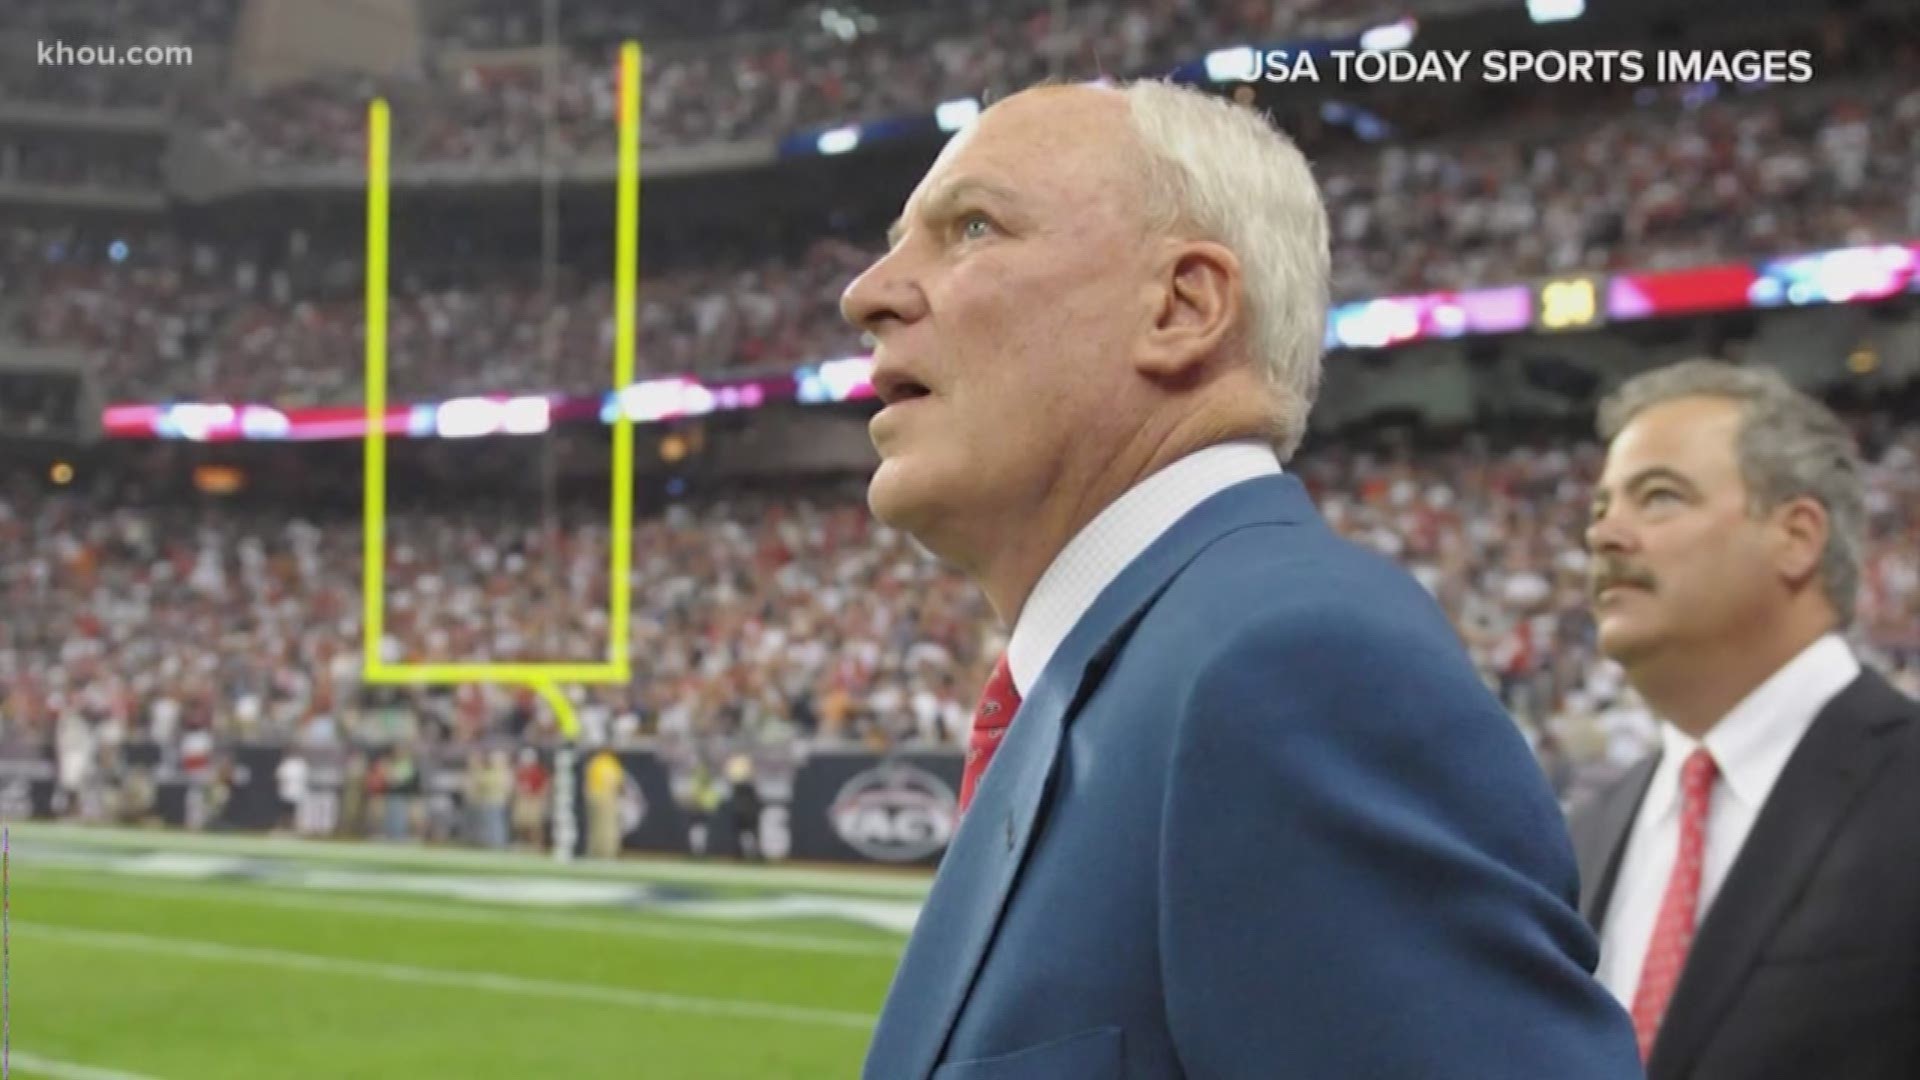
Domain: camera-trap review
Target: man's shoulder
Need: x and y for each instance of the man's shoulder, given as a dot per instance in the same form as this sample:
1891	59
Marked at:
1872	723
1873	694
1269	579
1271	612
1589	809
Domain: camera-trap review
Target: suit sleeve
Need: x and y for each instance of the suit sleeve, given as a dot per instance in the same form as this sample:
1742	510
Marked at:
1363	872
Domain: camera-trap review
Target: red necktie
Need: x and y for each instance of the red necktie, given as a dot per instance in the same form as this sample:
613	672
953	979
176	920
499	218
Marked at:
1673	933
997	705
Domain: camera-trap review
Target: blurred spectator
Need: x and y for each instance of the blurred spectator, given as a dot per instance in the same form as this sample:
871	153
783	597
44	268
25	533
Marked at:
530	800
291	775
743	808
604	779
703	805
402	788
354	798
489	787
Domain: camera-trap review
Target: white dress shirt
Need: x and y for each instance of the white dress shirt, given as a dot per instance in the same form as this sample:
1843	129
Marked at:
1750	745
1114	538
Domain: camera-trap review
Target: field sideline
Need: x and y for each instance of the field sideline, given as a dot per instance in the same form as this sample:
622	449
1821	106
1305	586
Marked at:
142	955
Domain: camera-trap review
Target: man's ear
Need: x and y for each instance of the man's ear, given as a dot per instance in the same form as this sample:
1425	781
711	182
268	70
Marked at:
1197	304
1799	535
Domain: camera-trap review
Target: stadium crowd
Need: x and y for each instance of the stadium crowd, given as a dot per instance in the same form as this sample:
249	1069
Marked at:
170	318
48	160
739	69
191	21
92	86
1677	184
504	24
823	70
36	404
758	620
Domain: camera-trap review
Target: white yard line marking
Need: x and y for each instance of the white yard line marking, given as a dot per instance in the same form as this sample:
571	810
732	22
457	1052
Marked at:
904	883
444	977
69	1070
266	896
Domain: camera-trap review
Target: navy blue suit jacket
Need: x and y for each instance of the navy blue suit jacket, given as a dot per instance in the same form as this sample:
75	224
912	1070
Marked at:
1257	818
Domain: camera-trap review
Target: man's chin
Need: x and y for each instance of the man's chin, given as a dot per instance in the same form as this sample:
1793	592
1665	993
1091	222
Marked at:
1623	643
920	503
893	495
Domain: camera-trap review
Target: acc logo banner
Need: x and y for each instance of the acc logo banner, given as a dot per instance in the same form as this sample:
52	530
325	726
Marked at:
895	813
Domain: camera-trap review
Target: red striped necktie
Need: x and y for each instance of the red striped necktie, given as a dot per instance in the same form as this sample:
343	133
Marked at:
998	702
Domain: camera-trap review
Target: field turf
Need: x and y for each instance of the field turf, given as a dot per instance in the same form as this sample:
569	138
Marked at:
140	955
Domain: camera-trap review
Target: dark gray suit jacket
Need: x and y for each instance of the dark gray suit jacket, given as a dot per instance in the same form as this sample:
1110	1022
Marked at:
1807	966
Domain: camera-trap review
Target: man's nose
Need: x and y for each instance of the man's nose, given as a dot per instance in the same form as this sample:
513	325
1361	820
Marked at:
882	296
1608	534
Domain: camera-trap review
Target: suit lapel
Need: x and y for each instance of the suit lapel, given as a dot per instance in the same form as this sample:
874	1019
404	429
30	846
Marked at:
978	872
1833	764
1601	838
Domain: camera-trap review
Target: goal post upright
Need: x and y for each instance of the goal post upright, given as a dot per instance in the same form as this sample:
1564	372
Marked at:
546	677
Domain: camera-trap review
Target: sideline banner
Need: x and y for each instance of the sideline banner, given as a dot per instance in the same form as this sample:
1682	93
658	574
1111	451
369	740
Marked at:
27	785
856	806
845	806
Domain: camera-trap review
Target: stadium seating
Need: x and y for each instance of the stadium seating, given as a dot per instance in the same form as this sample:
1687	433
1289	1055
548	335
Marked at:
812	633
762	620
1766	173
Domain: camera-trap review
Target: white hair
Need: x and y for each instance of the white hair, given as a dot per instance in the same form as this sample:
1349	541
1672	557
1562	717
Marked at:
1224	172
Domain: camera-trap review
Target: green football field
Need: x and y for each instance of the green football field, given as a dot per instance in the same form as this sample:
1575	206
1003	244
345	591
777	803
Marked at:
137	955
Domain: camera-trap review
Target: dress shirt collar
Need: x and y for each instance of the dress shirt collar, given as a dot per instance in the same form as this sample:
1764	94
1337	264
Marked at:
1752	743
1115	537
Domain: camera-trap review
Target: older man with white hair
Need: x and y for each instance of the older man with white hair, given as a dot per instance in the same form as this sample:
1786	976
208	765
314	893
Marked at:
1250	813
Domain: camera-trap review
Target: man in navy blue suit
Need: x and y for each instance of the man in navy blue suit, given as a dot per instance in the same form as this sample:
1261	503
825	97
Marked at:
1249	811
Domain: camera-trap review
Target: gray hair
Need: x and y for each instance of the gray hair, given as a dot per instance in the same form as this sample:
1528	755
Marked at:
1224	172
1790	446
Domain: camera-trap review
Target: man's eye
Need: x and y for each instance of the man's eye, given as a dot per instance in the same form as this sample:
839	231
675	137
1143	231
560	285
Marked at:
976	227
1660	495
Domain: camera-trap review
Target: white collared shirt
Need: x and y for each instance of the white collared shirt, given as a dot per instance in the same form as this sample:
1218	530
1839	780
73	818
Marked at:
1114	538
1750	746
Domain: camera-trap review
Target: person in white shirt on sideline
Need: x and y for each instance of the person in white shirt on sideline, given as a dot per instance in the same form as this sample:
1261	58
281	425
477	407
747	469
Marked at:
1755	880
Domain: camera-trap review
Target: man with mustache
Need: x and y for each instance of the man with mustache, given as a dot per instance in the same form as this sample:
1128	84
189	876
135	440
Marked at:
1236	804
1756	882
